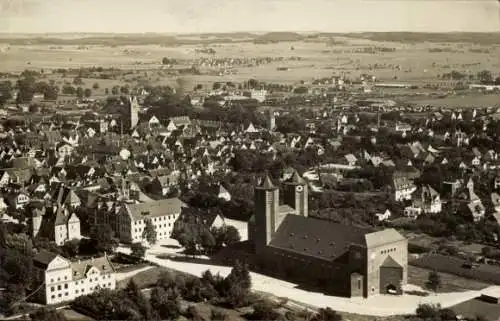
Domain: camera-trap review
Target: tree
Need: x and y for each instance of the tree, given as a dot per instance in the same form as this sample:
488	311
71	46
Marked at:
69	90
106	91
327	315
71	248
95	86
26	90
149	232
290	124
87	92
207	240
138	250
165	306
50	93
115	90
434	281
104	239
79	92
44	314
78	81
5	92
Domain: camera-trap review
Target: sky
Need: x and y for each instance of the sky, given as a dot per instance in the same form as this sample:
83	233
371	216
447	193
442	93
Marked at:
203	16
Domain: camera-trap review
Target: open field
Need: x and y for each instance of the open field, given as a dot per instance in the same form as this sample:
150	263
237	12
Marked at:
318	59
472	101
450	283
476	307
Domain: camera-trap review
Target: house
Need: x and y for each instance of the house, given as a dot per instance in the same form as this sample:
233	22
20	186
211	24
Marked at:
427	199
351	261
66	226
383	216
403	188
62	280
162	185
132	218
351	159
412	212
17	200
209	218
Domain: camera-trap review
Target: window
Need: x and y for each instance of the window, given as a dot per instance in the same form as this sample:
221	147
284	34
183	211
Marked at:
51	280
109	284
76	291
66	294
66	286
58	279
65	277
359	284
58	287
52	289
59	295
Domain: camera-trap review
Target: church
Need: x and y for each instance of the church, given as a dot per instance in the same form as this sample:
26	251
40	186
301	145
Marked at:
345	260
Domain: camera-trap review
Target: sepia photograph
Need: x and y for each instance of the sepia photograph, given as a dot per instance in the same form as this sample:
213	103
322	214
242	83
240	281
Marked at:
261	160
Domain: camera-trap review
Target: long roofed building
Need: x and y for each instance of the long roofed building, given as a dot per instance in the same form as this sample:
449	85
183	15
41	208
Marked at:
348	260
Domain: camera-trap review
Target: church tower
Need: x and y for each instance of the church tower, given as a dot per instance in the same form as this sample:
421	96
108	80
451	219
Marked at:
266	213
133	111
271	120
296	194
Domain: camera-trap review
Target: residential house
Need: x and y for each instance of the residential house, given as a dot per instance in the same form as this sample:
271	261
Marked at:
403	188
427	199
62	280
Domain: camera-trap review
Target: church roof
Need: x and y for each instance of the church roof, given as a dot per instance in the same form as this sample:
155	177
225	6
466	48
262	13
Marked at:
266	184
325	240
296	179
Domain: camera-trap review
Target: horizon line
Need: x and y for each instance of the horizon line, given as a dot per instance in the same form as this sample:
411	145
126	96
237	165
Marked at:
236	32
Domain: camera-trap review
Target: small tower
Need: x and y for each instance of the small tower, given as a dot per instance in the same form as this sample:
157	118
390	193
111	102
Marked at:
266	212
271	121
134	111
296	194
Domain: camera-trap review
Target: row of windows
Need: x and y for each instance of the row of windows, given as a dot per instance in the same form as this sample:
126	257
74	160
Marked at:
388	251
52	288
157	219
58	279
59	295
156	226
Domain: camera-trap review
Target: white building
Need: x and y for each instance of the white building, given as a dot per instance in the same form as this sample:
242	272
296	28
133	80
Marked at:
62	280
162	213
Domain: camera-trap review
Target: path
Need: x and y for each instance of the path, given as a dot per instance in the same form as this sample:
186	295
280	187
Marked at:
381	305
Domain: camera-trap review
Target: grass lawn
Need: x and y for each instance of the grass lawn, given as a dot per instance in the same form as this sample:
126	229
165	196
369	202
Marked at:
146	279
450	283
477	307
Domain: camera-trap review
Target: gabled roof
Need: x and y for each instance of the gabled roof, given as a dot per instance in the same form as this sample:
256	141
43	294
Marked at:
296	179
383	237
390	263
325	240
266	184
43	258
162	207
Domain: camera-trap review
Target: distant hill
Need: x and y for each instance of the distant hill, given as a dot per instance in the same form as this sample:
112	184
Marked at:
271	37
487	38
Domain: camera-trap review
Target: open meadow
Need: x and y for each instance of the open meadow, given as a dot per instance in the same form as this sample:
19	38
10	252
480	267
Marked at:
409	62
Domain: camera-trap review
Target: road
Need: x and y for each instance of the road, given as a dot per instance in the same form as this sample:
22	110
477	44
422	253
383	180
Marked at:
381	305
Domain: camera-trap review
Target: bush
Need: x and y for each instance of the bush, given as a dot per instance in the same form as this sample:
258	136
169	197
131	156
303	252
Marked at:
263	310
218	315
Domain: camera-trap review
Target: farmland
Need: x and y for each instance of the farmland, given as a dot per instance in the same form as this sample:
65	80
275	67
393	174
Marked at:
319	58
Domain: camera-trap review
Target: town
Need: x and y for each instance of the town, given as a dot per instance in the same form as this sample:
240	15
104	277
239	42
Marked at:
326	198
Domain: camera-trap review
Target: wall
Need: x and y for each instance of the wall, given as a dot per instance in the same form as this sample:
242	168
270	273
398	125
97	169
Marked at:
376	257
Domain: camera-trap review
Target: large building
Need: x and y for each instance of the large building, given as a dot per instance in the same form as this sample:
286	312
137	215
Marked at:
61	280
162	214
347	260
